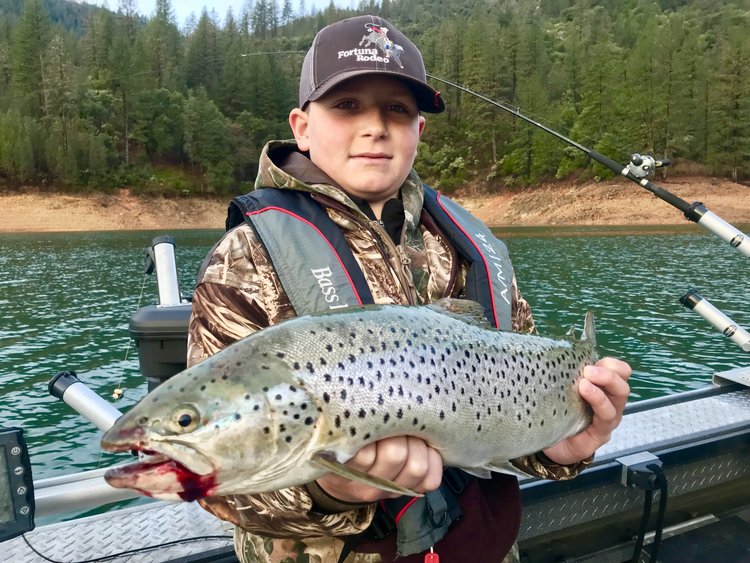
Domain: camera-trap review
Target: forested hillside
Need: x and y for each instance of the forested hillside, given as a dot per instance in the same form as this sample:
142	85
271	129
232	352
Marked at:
93	99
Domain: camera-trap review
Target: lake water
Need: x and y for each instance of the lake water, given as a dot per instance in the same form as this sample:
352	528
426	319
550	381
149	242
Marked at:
66	299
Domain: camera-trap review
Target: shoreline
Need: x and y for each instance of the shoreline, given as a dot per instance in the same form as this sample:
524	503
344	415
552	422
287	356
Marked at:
616	202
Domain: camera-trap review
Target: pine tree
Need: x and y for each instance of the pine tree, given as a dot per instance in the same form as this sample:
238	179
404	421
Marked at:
29	45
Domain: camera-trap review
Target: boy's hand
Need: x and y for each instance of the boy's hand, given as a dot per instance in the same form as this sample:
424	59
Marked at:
405	460
605	387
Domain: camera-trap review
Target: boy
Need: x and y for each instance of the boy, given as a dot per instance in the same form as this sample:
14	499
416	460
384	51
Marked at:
356	130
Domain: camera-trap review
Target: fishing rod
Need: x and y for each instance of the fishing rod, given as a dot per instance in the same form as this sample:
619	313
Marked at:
639	170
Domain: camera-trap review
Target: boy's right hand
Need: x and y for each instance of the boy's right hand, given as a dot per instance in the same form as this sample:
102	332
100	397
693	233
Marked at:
405	460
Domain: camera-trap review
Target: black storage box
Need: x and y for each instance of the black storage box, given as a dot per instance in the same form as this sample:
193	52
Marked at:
160	334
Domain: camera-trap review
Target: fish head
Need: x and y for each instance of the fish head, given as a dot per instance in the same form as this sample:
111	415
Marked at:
215	429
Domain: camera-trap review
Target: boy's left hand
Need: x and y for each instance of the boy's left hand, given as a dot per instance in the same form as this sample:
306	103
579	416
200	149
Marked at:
605	387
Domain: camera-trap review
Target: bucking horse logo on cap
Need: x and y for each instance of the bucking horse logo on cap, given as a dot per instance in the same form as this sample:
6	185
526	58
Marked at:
378	35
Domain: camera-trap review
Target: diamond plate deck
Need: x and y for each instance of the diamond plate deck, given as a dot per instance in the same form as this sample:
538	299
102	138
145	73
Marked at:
678	423
144	528
661	427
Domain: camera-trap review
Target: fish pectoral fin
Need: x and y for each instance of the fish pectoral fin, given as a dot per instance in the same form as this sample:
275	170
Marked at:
328	462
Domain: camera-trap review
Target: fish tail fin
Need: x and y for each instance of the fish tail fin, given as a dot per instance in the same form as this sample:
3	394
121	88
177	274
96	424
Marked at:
589	330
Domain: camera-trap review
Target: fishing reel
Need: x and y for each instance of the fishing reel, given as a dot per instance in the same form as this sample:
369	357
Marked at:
644	165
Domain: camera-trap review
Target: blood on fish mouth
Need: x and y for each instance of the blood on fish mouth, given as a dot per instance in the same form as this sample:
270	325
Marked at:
186	484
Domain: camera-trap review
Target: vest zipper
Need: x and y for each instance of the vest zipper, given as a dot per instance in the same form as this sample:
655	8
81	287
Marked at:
385	246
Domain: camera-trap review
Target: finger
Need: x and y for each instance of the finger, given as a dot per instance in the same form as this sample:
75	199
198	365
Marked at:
391	455
434	475
621	368
610	382
364	459
605	412
416	465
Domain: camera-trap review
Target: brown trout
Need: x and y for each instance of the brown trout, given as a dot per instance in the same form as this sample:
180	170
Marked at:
293	401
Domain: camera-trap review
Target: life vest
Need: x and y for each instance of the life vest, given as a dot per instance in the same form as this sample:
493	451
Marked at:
318	272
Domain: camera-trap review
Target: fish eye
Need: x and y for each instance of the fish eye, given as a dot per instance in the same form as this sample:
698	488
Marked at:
185	419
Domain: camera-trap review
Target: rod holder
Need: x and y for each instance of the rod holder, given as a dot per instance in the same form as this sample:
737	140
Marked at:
72	391
696	302
161	259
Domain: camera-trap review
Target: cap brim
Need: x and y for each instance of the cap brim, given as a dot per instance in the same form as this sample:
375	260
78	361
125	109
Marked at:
428	99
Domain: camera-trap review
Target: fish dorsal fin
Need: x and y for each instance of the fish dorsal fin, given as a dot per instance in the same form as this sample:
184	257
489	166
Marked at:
589	330
462	309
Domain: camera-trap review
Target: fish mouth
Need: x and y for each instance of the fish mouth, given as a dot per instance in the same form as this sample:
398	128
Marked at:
159	476
171	471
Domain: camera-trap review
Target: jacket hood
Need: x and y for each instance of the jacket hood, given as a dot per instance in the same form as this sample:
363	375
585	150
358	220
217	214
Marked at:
283	166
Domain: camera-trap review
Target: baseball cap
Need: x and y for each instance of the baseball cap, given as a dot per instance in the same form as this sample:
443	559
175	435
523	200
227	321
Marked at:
364	45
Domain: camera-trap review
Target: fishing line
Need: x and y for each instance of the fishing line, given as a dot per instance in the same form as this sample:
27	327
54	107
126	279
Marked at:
118	392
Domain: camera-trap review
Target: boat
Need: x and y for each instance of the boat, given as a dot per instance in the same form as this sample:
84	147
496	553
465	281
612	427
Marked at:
673	482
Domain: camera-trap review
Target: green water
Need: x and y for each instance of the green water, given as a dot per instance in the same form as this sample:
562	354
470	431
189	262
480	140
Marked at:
66	299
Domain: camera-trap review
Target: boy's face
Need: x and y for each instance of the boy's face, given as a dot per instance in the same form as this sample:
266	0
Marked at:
363	134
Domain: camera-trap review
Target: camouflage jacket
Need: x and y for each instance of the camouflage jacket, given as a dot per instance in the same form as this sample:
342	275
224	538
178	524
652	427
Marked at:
238	292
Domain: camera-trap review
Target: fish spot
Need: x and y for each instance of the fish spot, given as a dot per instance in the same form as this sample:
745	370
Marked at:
327	377
367	436
479	428
265	389
143	420
288	439
343	394
347	414
277	397
400	413
280	355
415	422
353	431
256	407
386	417
303	406
326	397
309	420
237	416
266	430
296	365
362	413
337	421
